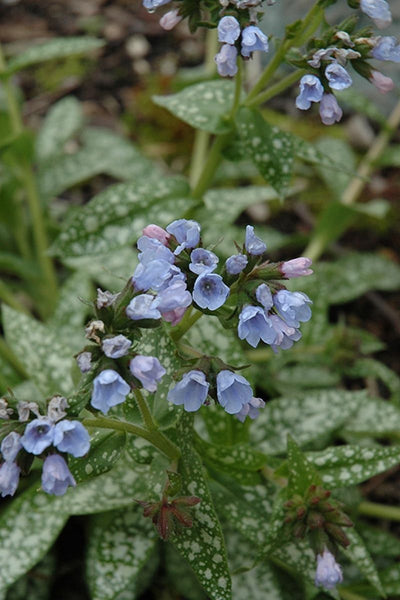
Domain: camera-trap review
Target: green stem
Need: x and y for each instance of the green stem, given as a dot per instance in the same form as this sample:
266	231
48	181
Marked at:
310	23
347	595
276	89
8	297
186	324
238	89
200	146
145	411
13	109
9	356
380	511
159	440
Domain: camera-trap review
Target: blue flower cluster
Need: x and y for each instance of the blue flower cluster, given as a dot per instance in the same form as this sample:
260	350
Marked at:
68	437
232	391
230	34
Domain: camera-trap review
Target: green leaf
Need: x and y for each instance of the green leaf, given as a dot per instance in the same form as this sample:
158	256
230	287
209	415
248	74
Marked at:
181	577
305	416
105	449
359	102
116	217
341	154
102	151
368	367
351	276
302	474
358	554
62	122
120	544
53	49
300	557
240	456
380	543
341	466
390	579
203	105
36	584
271	149
28	527
375	417
390	157
46	357
297	377
203	544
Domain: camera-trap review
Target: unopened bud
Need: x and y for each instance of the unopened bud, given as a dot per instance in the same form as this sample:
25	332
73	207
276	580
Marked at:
168	22
382	83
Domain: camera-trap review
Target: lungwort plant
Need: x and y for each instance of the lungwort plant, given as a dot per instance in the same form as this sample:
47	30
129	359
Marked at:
201	409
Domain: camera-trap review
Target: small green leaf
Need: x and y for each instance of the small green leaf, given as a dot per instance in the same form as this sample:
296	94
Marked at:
120	544
358	554
105	449
240	456
271	149
203	105
341	466
46	357
53	49
63	121
302	474
117	216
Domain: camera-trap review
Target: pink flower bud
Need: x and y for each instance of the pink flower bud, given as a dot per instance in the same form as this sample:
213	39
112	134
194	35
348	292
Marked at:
170	19
297	267
157	233
174	316
381	82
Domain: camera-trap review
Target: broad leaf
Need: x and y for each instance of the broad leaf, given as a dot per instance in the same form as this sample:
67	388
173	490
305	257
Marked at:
106	448
341	154
120	544
47	357
53	49
380	542
390	579
117	216
302	474
368	367
240	456
358	554
203	105
63	120
376	417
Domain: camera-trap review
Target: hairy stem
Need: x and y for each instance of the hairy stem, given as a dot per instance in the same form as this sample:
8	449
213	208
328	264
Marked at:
145	411
276	89
380	511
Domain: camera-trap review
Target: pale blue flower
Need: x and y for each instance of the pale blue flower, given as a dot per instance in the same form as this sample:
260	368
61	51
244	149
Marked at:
285	335
338	77
253	39
109	389
228	30
71	437
293	307
226	61
329	572
38	436
387	48
329	110
10	446
378	11
116	346
311	90
9	478
172	297
84	360
236	263
152	275
143	306
251	409
203	261
254	325
191	391
153	249
210	291
186	233
56	477
233	391
253	244
148	370
264	296
151	5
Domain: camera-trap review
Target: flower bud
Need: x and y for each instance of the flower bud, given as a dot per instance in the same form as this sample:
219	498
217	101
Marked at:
154	231
329	572
167	22
383	83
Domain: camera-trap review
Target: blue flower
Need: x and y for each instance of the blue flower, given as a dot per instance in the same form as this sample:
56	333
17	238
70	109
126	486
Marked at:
311	90
191	391
253	39
228	30
153	249
253	244
186	233
293	307
203	261
233	391
148	370
38	436
337	76
285	335
143	307
151	5
10	446
329	572
378	11
226	61
9	478
251	409
236	263
329	110
172	297
387	48
71	437
109	389
254	325
152	275
56	477
116	346
264	296
210	291
84	360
